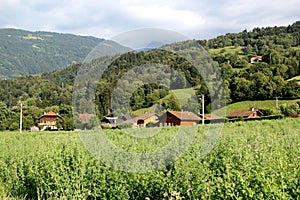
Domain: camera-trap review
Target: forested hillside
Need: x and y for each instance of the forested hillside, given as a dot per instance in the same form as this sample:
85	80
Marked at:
23	52
269	78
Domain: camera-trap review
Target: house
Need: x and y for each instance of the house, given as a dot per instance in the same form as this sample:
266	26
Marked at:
85	118
255	59
142	120
245	114
49	120
179	118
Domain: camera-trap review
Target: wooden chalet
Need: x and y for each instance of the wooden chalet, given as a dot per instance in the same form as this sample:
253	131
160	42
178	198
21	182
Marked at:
179	118
49	120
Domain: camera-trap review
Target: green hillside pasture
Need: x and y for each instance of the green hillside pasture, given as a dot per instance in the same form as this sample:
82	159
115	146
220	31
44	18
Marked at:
251	160
228	49
266	104
183	95
296	78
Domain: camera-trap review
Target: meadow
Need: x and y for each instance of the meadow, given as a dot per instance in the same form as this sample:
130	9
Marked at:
251	160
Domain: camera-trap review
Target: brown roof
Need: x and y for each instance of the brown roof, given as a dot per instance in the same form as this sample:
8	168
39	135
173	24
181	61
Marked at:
144	116
185	115
210	116
50	114
84	118
140	117
242	113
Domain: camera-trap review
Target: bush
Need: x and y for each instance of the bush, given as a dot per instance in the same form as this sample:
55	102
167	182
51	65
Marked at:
125	125
14	126
151	124
290	109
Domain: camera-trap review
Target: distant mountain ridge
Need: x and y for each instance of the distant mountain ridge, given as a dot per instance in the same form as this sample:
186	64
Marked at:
24	52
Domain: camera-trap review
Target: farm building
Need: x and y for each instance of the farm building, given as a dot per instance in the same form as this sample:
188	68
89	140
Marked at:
136	121
85	118
142	120
111	122
245	114
255	59
179	118
49	120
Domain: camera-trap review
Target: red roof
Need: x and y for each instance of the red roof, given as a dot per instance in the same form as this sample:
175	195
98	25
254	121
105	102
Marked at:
84	118
51	114
185	115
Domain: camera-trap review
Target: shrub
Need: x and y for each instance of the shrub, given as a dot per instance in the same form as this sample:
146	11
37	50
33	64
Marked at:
125	125
290	109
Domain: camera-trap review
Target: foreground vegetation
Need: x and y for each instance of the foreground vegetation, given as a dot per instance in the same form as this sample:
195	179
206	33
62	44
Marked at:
251	160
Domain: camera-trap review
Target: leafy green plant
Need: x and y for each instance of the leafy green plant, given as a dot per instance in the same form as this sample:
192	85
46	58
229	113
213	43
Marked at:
251	160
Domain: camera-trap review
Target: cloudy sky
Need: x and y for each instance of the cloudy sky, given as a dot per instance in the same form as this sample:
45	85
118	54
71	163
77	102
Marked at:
199	19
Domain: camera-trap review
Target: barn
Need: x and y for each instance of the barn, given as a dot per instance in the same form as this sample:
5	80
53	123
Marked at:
179	118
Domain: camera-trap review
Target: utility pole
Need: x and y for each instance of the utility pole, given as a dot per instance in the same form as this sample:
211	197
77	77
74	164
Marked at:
21	108
202	101
202	109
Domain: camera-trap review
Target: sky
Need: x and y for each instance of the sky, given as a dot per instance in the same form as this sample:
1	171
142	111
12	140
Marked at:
196	19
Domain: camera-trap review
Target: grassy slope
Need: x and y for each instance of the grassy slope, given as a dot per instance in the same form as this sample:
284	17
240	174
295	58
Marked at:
244	105
183	94
296	78
266	104
228	49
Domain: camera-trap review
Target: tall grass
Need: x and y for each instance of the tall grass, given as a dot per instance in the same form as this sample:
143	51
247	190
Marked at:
251	160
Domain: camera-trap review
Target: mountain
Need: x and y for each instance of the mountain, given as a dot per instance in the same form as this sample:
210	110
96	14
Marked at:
24	52
274	76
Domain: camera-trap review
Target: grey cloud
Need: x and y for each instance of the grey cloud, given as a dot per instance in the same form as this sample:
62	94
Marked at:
112	17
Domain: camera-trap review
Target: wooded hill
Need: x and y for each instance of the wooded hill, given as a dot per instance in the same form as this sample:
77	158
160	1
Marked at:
24	52
272	77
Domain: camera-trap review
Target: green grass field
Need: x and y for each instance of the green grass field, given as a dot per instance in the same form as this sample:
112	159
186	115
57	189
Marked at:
251	160
183	94
228	49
